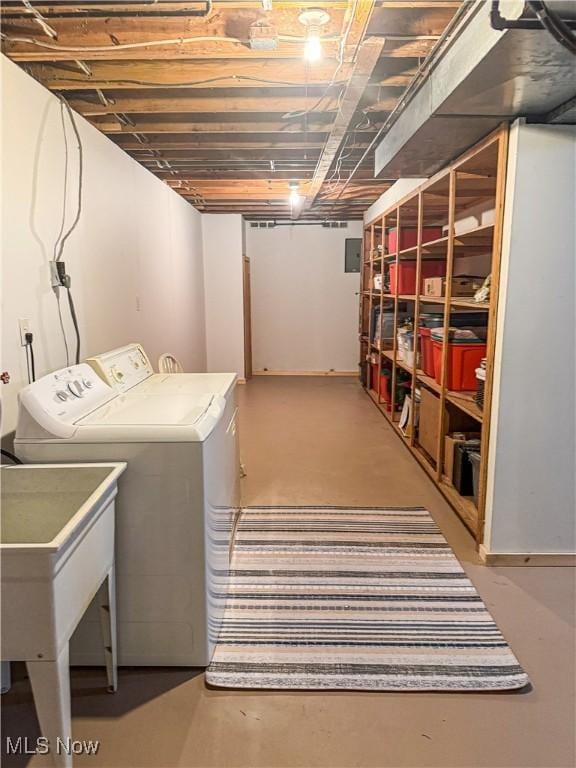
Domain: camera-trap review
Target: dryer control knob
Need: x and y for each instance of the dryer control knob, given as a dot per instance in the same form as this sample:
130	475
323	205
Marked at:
61	395
87	383
76	388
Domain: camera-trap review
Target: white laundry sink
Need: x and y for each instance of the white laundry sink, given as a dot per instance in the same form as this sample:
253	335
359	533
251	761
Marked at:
56	538
57	553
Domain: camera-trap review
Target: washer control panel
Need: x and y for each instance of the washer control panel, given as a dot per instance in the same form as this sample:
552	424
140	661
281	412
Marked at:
123	368
59	399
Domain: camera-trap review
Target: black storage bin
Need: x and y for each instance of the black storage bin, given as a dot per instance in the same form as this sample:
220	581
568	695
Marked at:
463	475
364	374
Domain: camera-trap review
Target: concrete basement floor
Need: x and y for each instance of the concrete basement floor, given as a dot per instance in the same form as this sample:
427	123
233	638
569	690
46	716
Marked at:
320	441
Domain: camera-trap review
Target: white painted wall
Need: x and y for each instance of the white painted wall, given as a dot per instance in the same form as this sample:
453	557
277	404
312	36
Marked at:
136	238
531	505
224	297
304	306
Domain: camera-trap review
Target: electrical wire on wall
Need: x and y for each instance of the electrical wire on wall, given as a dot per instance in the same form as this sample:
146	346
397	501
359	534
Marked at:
59	276
30	364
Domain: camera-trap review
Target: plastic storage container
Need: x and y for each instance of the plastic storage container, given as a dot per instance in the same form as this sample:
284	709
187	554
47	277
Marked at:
463	359
374	376
475	462
405	338
405	280
480	384
426	353
463	476
409	237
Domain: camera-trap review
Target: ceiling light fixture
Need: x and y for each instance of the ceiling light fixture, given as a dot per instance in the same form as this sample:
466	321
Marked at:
294	197
313	19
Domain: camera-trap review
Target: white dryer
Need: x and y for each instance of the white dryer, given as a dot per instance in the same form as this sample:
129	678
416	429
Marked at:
128	369
175	511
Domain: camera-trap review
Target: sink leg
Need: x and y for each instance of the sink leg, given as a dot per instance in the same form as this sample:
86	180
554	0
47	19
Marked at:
107	604
50	682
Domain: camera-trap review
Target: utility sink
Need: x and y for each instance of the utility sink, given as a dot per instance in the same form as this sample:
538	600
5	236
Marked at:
41	505
56	545
57	554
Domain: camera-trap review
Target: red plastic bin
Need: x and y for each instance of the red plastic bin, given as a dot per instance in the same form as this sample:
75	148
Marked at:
409	237
463	359
382	390
405	282
373	376
426	353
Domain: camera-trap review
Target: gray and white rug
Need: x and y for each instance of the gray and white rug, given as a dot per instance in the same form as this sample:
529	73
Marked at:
355	599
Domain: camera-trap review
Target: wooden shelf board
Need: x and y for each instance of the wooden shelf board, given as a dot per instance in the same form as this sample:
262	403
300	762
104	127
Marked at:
432	299
407	297
476	232
424	460
404	366
463	505
388	353
381	406
465	402
428	381
464	303
408	252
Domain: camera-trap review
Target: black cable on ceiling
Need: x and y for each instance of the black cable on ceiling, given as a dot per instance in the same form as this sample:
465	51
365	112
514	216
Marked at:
559	30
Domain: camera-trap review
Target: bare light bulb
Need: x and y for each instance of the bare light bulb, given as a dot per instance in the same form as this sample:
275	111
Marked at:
313	46
294	197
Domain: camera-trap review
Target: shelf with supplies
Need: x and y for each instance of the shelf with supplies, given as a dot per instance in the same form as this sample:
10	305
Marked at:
444	237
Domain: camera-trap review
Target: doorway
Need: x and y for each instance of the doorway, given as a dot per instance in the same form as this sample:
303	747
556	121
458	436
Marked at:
247	319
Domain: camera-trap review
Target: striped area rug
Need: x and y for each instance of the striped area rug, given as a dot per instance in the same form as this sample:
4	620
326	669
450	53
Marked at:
355	599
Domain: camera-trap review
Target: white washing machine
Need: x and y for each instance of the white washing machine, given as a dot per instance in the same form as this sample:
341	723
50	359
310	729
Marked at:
175	510
128	369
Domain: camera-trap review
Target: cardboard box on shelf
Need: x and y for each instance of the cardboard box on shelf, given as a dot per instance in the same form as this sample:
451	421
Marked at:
454	420
433	286
461	286
428	422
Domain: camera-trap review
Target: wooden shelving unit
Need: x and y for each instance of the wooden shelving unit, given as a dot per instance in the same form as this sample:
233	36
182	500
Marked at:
464	202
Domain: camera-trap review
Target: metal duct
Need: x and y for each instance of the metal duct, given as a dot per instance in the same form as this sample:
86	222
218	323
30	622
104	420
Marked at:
485	77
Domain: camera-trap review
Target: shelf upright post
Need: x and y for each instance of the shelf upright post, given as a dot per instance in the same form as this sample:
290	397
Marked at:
381	261
362	289
370	275
420	218
492	321
395	338
445	345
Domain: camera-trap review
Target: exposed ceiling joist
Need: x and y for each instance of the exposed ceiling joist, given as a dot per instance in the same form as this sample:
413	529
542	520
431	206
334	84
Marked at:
216	73
368	57
224	124
279	104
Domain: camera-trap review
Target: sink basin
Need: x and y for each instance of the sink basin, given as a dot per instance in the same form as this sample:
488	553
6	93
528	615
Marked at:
39	503
56	545
57	554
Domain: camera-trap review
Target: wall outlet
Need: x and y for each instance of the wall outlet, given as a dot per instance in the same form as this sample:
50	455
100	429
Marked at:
24	326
